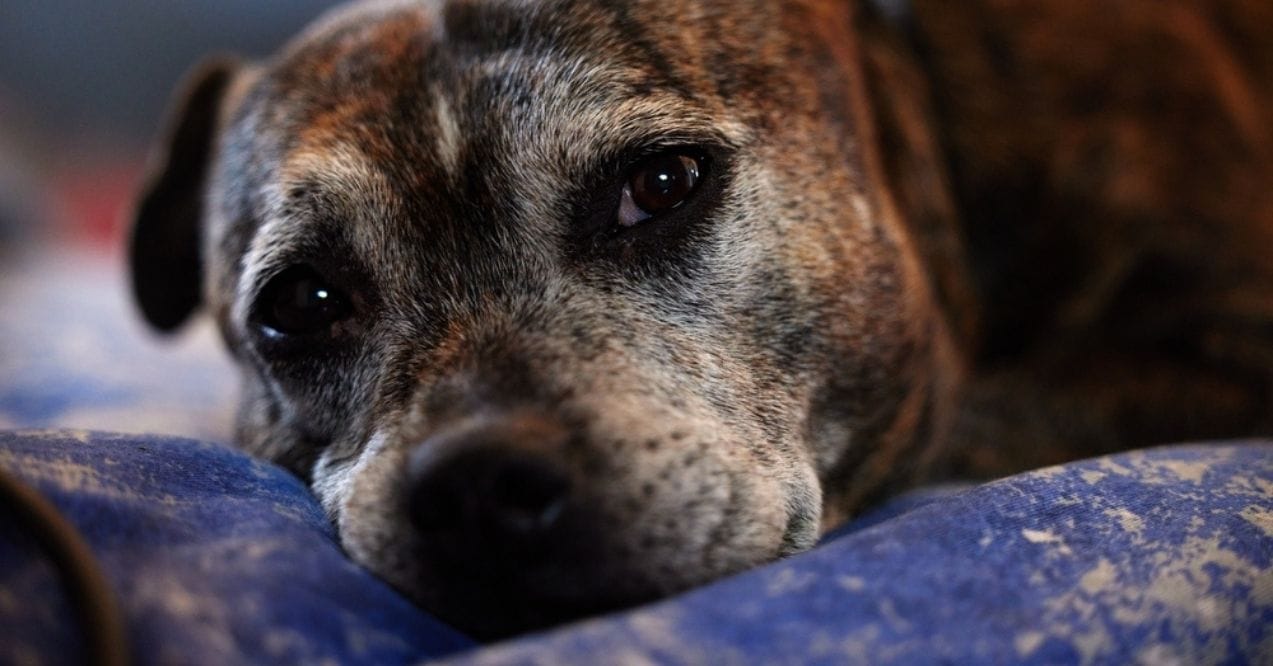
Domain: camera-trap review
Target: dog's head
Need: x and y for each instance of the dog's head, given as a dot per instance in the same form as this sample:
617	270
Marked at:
559	306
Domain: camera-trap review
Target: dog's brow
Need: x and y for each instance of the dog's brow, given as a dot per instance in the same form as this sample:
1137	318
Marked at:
610	128
343	171
347	181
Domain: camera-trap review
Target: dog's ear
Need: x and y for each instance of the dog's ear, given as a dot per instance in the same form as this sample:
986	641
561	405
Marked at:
164	253
912	155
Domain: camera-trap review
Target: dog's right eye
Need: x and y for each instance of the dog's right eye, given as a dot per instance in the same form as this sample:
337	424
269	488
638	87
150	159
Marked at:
299	302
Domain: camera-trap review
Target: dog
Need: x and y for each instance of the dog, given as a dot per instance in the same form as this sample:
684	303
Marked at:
564	306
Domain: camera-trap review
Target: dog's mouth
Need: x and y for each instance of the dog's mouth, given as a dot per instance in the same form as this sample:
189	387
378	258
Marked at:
509	538
531	564
510	521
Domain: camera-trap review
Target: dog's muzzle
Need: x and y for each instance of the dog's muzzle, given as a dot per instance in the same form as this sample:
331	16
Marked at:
511	535
491	484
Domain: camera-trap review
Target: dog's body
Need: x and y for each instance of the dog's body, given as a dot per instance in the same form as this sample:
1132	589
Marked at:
563	306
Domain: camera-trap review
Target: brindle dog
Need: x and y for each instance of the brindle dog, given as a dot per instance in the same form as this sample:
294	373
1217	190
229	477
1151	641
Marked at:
562	306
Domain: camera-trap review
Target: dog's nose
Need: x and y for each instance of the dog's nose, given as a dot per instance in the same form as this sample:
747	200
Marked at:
492	480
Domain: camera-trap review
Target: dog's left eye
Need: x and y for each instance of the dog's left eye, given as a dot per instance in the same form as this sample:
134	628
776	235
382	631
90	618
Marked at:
299	301
658	185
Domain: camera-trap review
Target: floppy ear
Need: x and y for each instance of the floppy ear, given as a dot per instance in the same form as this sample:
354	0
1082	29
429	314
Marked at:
164	253
912	155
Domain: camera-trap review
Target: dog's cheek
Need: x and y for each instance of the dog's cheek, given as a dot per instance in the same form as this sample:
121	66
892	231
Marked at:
800	494
696	495
709	473
721	514
367	498
258	426
840	292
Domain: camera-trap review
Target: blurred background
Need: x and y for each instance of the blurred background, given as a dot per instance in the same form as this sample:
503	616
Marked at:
83	87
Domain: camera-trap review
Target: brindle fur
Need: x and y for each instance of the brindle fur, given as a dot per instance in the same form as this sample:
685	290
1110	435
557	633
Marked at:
963	239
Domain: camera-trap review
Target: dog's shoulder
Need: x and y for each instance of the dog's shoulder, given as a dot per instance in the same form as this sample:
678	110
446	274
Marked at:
1110	167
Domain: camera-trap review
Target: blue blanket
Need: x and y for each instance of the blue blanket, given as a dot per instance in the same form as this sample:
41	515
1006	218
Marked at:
1158	556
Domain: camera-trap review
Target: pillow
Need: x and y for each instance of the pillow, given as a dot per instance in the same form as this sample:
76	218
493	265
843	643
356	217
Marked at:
1157	556
214	557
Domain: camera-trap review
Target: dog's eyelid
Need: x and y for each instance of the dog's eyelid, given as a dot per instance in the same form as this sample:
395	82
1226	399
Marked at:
269	271
699	145
321	249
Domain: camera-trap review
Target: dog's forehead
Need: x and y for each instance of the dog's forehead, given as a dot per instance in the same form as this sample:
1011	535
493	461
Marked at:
576	76
409	103
430	124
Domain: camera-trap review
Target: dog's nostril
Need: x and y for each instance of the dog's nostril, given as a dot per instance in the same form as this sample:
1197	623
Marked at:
527	495
437	499
476	485
489	489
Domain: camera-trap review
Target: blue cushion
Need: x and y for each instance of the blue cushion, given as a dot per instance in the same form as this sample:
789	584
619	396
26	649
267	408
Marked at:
215	558
1161	555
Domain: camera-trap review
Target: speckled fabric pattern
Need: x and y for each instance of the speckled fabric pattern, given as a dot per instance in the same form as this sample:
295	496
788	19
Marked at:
215	558
1159	556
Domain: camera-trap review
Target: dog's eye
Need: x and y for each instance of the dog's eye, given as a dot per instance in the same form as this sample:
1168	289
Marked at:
657	185
299	301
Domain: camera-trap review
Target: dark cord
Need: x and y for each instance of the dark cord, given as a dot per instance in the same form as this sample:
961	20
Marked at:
86	587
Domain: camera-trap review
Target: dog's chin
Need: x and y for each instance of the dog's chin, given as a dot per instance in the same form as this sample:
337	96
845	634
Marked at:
513	588
497	606
513	591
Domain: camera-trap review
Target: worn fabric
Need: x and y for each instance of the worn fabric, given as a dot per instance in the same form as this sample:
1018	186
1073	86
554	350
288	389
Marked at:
215	558
1154	556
